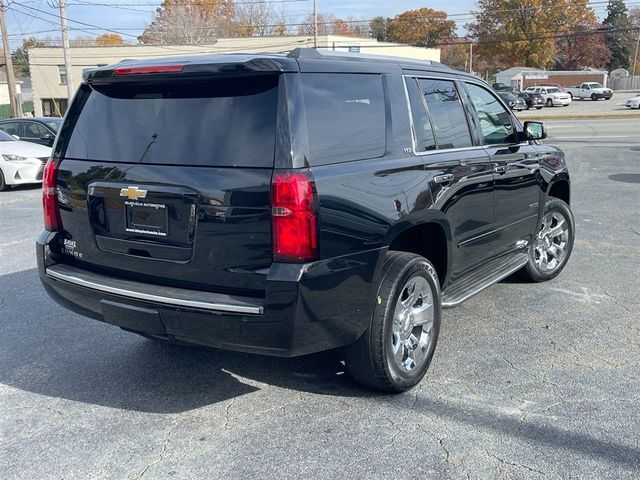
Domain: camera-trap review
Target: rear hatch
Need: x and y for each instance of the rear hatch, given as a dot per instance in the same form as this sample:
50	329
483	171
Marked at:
168	181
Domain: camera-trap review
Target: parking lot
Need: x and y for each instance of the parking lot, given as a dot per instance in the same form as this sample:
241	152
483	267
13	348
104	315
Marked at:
528	380
613	107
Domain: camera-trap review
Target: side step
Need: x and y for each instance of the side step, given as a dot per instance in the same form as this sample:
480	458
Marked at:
484	277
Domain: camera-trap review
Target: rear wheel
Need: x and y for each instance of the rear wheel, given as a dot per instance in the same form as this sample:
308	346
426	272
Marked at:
538	108
396	350
3	184
551	247
549	102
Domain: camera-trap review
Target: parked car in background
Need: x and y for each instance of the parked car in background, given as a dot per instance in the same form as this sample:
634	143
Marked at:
634	102
20	162
266	204
557	85
40	130
515	103
501	87
592	90
552	96
532	100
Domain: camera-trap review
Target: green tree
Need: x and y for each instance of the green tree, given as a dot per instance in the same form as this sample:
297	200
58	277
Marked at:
20	56
617	22
379	27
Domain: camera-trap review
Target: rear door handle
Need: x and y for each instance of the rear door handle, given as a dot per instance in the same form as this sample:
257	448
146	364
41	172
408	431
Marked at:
446	178
500	168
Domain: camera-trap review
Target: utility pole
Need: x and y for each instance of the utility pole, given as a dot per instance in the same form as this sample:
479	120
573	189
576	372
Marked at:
471	56
65	49
635	60
11	81
315	24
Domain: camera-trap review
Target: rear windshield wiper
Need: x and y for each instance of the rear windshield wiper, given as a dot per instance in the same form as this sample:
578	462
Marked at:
154	137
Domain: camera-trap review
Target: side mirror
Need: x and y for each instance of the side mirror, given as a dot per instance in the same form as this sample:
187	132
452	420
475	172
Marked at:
16	137
535	130
47	136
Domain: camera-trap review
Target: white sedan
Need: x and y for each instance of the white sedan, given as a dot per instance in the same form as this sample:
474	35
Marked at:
634	102
21	162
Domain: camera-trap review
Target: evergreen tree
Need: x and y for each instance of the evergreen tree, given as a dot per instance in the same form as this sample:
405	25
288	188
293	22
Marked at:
618	39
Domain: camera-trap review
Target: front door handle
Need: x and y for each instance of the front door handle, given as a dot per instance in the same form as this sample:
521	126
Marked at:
500	168
446	178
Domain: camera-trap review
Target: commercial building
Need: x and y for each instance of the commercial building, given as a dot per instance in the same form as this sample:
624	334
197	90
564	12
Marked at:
520	78
49	78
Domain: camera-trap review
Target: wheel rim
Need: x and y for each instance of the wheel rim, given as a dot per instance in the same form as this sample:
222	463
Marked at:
412	325
550	245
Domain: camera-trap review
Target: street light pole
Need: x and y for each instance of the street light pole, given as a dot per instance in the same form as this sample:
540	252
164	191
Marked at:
11	81
635	60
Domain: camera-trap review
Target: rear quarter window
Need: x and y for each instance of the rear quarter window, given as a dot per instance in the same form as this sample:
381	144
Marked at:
345	117
215	122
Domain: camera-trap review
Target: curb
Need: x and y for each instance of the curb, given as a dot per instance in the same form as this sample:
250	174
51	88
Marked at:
581	117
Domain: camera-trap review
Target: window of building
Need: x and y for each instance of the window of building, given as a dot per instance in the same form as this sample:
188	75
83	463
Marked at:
62	73
54	107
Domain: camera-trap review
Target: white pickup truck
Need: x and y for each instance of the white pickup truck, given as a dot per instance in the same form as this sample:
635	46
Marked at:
592	90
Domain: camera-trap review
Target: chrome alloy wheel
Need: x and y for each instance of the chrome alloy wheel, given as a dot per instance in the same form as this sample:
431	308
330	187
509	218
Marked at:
550	245
412	324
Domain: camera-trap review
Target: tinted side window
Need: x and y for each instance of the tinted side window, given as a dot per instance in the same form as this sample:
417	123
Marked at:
495	121
33	129
10	127
447	114
423	131
345	117
217	122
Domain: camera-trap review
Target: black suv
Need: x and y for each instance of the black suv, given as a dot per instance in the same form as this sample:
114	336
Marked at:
285	205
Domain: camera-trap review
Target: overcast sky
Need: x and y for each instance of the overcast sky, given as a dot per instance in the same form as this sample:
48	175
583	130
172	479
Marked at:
131	20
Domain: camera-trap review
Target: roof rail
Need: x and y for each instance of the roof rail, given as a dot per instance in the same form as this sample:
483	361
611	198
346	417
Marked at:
312	53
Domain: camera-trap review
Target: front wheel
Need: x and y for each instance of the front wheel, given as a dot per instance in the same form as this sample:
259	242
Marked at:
594	97
395	352
549	103
551	247
538	108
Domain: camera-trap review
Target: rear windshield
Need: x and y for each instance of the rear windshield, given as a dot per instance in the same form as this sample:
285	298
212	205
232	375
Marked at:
222	122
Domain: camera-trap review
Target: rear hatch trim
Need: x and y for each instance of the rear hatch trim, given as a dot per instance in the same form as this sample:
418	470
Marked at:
177	297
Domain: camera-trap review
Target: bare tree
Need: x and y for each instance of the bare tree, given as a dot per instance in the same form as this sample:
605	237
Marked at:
190	22
257	18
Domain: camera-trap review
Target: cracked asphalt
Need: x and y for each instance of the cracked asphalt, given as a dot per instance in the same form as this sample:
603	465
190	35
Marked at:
528	381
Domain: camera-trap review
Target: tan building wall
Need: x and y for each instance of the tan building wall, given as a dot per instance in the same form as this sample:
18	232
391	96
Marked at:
50	92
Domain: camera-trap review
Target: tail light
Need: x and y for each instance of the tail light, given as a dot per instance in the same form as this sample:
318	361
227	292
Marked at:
149	69
50	205
294	218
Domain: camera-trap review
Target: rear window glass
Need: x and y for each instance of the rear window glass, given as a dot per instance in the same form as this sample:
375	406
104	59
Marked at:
345	117
222	122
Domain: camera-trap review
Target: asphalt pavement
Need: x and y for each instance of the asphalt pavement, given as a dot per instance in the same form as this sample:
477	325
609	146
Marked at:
528	380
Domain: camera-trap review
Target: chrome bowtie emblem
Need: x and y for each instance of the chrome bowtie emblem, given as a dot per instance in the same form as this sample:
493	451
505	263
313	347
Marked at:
133	193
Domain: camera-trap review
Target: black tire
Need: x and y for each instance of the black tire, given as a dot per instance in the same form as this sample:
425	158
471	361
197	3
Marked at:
549	102
594	97
531	271
370	360
538	108
3	184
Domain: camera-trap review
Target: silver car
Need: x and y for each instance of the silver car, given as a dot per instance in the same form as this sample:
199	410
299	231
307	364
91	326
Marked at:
553	97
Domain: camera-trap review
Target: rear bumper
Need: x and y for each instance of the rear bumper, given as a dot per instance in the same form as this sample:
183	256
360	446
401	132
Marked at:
306	308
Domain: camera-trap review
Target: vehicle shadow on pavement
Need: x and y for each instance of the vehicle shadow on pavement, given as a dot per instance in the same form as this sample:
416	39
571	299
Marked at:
50	351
